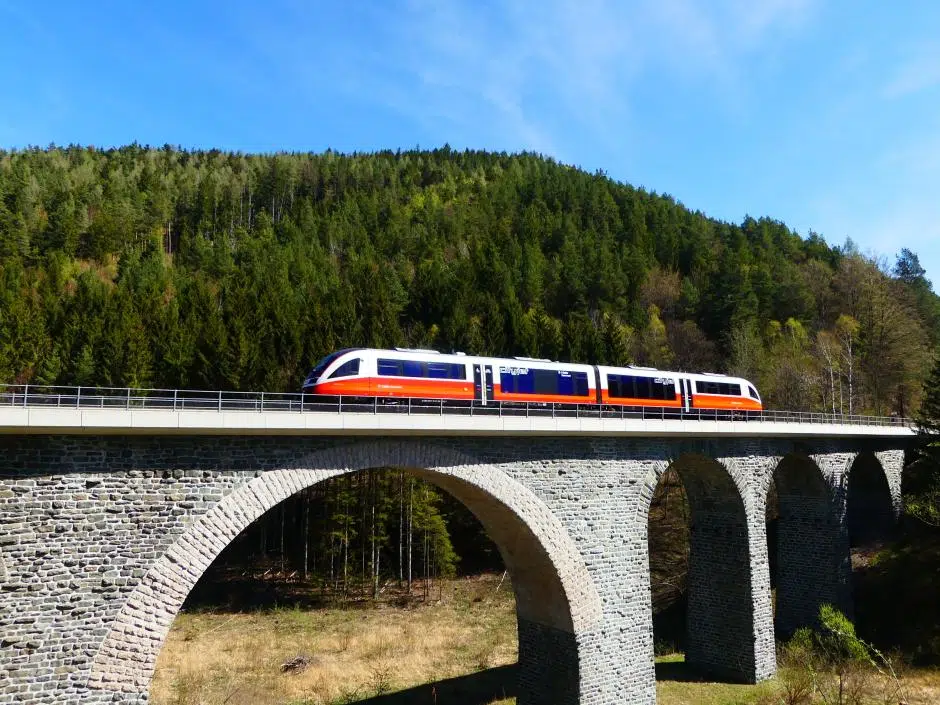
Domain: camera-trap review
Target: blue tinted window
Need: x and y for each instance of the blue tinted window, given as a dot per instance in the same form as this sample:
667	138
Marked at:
518	380
410	368
547	382
637	387
390	368
347	369
722	388
565	384
580	384
446	370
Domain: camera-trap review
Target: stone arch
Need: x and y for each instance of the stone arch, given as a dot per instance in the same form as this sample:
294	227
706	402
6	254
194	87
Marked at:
872	503
556	597
721	619
812	567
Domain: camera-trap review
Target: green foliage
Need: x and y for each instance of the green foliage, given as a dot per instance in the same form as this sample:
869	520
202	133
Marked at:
139	266
922	478
832	665
836	640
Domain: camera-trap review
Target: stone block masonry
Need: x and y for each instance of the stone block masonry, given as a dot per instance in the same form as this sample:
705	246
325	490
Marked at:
102	538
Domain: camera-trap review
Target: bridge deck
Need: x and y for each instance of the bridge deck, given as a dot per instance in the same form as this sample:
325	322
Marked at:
62	420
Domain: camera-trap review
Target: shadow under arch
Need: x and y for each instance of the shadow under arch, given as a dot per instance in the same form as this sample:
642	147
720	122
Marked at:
556	600
812	566
720	615
870	510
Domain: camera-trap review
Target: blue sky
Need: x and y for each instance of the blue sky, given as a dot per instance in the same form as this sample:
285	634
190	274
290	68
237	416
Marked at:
825	115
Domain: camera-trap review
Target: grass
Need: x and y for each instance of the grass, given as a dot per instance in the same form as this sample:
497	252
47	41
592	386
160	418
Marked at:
365	655
676	685
353	655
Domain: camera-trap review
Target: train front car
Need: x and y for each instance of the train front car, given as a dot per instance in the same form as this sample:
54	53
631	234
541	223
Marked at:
722	393
392	374
339	373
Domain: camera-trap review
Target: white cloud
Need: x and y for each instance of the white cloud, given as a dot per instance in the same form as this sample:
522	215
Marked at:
582	57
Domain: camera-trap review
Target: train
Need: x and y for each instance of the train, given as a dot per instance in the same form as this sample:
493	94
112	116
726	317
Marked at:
413	373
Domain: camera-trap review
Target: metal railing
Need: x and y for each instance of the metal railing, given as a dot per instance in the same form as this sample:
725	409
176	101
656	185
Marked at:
33	396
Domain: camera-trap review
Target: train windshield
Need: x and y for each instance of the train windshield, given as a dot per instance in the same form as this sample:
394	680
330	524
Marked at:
326	362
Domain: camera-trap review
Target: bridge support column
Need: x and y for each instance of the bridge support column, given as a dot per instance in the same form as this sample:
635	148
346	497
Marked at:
730	615
892	462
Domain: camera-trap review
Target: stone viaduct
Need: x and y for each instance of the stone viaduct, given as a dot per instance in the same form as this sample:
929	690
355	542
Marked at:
104	530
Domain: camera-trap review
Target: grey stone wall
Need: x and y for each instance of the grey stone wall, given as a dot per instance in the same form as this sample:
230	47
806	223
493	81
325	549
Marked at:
101	538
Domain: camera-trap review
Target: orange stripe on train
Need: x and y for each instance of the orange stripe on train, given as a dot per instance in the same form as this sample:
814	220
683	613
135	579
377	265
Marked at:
720	401
398	387
629	401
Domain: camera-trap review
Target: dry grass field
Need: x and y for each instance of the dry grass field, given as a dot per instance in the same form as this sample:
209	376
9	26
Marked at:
354	655
457	650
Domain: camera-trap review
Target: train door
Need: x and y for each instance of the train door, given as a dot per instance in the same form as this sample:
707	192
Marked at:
479	391
685	387
488	381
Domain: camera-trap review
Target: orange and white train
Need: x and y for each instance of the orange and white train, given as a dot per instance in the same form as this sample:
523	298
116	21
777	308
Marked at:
405	373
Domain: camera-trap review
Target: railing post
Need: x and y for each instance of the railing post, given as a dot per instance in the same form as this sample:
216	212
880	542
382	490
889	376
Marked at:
409	406
220	401
78	398
262	401
128	398
175	392
25	393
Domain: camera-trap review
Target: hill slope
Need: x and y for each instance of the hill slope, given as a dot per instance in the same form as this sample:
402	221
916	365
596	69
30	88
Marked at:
159	267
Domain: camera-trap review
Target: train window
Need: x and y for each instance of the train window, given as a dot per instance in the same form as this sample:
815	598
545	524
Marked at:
665	389
720	388
630	387
507	380
580	384
390	368
347	369
752	392
547	382
413	368
446	370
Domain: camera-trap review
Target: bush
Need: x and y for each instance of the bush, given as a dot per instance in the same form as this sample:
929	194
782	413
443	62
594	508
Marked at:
833	666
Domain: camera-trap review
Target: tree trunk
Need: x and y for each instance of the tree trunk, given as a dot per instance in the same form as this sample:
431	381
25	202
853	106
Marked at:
411	513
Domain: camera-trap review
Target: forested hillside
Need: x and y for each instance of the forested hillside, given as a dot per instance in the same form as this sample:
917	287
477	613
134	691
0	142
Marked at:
160	267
